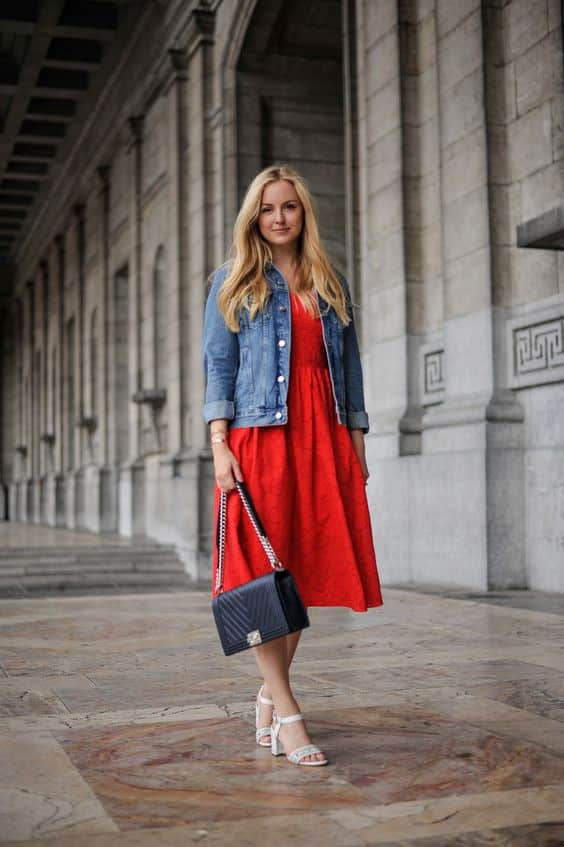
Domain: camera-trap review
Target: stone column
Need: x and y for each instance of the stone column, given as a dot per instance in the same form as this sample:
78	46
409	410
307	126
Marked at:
80	443
45	445
108	472
192	465
465	520
351	137
59	455
132	481
17	445
31	401
422	214
175	90
382	284
505	464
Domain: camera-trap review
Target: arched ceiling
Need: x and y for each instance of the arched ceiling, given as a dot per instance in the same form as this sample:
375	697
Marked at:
308	28
50	53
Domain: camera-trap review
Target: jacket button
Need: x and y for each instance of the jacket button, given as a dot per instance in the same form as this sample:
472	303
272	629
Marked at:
282	308
278	415
281	343
281	378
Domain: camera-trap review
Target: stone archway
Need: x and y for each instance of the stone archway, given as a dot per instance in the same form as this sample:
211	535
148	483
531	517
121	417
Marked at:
285	83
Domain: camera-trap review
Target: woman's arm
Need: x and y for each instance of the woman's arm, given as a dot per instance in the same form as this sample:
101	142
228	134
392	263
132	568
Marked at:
357	437
357	417
220	352
226	466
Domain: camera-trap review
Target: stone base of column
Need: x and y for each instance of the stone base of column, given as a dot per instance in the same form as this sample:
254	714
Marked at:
108	500
70	500
132	499
455	513
43	500
53	500
4	502
29	501
13	511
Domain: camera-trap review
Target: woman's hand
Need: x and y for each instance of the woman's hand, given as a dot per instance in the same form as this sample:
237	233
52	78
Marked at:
226	467
357	437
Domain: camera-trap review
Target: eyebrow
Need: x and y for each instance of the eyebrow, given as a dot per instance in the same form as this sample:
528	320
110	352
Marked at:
284	203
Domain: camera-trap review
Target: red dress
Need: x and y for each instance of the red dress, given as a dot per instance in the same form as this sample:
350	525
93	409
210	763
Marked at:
306	483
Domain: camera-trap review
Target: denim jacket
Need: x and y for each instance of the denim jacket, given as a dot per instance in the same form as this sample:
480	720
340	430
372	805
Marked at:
248	372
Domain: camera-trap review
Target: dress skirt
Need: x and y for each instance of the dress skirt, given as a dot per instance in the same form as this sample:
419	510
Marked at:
307	486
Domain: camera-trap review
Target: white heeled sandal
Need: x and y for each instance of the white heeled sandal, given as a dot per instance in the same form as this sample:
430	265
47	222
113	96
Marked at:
299	753
262	731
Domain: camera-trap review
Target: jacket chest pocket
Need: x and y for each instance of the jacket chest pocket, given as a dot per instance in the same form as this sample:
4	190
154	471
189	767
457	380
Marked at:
254	331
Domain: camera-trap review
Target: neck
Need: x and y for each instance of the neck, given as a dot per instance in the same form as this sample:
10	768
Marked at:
285	257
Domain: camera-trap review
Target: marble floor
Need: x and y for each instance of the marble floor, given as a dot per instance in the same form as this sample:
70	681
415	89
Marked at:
122	723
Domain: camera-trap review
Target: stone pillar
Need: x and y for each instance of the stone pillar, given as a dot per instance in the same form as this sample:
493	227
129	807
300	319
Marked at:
422	214
191	465
108	483
455	535
80	443
352	151
505	465
45	442
132	477
19	441
382	284
59	453
32	496
175	90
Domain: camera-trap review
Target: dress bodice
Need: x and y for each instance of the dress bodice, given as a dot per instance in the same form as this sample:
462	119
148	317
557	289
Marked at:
308	348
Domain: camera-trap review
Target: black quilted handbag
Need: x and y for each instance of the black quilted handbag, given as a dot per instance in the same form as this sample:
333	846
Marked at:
261	609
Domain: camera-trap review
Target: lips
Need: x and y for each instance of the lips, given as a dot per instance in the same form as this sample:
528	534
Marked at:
281	230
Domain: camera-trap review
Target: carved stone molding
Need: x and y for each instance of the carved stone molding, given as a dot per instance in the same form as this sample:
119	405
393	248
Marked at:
200	28
535	347
154	397
432	370
89	423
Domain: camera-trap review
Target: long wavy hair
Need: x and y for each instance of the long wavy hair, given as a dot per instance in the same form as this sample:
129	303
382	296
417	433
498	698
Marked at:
245	285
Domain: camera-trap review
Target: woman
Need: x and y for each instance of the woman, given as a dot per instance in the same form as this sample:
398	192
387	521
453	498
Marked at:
285	404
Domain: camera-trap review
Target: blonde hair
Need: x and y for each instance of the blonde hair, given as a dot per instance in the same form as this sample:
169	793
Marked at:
245	284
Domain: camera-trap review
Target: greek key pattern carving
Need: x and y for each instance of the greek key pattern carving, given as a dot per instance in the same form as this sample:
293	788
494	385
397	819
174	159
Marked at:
535	346
538	347
434	371
433	378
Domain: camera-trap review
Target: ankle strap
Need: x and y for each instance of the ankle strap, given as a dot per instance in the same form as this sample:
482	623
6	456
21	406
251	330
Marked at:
290	718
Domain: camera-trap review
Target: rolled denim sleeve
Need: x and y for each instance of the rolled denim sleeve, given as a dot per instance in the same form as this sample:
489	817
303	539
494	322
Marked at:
357	417
220	357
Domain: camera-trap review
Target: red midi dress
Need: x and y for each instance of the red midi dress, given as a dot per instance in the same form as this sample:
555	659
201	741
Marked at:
307	486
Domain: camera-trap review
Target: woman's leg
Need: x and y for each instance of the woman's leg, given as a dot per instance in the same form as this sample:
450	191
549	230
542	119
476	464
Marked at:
265	711
272	659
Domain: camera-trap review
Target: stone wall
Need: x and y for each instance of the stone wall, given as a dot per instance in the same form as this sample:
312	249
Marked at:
429	130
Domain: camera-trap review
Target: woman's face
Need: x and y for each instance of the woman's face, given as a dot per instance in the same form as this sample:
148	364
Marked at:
281	214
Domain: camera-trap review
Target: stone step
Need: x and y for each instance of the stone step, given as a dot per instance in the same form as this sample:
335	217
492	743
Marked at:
171	566
60	581
84	552
56	584
105	567
29	561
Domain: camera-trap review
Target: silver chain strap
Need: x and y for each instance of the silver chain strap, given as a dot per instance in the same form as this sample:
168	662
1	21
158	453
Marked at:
273	559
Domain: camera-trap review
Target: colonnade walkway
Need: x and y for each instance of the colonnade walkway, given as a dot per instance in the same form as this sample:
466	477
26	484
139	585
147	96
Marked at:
122	723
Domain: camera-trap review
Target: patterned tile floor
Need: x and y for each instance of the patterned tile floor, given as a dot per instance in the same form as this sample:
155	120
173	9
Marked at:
122	723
